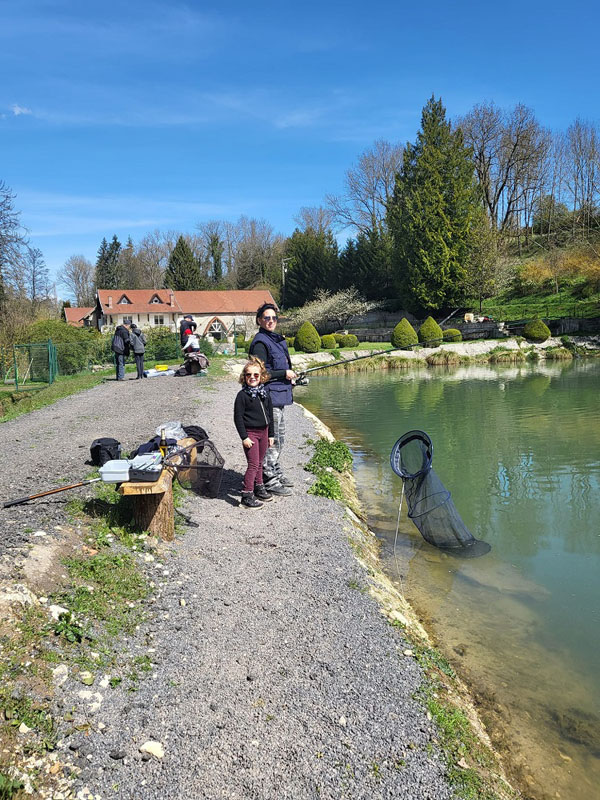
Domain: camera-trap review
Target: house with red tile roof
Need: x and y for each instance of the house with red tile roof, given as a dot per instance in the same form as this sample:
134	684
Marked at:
80	317
218	314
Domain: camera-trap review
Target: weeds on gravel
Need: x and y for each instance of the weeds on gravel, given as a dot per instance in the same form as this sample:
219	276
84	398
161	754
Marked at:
334	454
9	787
328	457
107	589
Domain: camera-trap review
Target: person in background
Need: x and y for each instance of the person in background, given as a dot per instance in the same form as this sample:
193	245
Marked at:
138	345
186	324
120	347
192	343
271	348
253	417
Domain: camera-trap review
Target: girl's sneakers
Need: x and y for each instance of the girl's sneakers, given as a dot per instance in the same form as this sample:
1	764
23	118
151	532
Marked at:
250	501
261	493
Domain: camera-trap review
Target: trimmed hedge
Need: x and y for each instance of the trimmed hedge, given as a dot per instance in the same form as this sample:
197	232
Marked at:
430	331
307	338
290	341
328	342
349	340
404	335
338	338
452	335
536	331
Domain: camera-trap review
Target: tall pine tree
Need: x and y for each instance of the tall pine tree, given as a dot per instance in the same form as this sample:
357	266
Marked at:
314	264
107	265
183	272
432	213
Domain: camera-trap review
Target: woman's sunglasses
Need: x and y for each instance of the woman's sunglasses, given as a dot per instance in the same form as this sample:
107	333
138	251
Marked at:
270	319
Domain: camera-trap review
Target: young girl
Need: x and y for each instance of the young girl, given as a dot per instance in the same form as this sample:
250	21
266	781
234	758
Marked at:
253	417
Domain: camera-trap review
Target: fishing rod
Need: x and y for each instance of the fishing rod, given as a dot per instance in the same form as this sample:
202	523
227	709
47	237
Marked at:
300	380
21	500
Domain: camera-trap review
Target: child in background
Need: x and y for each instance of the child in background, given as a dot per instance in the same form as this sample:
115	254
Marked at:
253	417
192	343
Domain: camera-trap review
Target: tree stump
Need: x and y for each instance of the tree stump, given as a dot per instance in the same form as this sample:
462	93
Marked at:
153	509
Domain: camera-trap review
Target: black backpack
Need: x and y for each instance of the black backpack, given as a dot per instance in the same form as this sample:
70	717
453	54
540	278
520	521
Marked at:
103	450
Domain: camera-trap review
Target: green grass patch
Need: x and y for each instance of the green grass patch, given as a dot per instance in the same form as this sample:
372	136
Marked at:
9	787
107	588
334	454
327	485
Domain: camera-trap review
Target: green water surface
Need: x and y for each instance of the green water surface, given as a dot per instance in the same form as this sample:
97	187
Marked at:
519	448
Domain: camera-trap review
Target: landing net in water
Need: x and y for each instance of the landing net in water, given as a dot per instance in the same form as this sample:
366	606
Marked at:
429	503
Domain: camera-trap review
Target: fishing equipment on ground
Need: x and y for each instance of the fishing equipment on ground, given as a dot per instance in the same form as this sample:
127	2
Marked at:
429	503
302	380
199	467
21	500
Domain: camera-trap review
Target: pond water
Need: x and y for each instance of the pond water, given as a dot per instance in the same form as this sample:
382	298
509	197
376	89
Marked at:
519	448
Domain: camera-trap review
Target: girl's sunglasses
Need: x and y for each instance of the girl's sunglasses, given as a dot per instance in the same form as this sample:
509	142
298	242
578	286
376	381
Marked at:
252	374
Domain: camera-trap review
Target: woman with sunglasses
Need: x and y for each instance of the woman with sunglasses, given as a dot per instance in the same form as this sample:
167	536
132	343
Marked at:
272	349
253	417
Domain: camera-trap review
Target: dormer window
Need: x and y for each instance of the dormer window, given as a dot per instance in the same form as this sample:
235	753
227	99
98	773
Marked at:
124	301
156	299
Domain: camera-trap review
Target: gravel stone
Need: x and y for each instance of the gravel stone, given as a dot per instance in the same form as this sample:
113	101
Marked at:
277	680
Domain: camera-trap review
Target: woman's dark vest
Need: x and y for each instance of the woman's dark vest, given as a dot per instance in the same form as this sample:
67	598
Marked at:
278	357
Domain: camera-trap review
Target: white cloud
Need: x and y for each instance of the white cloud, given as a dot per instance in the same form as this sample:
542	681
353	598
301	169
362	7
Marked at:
18	110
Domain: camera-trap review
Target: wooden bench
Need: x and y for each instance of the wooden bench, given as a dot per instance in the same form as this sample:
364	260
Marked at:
153	509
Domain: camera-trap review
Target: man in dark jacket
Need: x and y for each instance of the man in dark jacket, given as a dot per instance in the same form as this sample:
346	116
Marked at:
138	345
272	348
120	347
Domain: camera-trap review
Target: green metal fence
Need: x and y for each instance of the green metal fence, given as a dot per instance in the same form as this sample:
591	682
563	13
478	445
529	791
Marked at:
33	365
36	364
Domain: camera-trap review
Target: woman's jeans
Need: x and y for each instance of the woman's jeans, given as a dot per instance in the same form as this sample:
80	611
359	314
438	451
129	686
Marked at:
254	456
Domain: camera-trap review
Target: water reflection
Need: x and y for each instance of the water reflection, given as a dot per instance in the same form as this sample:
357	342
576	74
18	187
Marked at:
518	447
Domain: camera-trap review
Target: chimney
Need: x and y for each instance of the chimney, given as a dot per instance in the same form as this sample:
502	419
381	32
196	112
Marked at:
172	300
109	304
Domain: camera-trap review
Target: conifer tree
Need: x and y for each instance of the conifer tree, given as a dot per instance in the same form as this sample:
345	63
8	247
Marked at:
183	272
107	265
431	214
314	265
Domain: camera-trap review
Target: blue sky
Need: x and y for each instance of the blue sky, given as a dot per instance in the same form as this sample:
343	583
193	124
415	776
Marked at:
125	117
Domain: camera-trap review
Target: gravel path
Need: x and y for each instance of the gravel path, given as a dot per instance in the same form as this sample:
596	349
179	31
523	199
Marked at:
276	677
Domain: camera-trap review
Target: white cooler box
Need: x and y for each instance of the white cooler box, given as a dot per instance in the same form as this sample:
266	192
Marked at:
116	471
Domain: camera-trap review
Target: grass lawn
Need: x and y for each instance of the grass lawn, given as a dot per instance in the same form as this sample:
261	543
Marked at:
566	303
31	397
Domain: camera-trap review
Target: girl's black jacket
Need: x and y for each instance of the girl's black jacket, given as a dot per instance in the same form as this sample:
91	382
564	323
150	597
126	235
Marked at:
252	412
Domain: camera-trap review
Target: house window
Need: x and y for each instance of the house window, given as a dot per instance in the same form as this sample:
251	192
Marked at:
156	299
124	301
159	320
216	330
127	320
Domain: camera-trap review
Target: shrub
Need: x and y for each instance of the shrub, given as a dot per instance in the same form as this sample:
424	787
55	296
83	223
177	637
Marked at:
291	341
349	340
161	344
328	342
452	335
338	338
75	346
307	338
404	335
430	332
536	331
